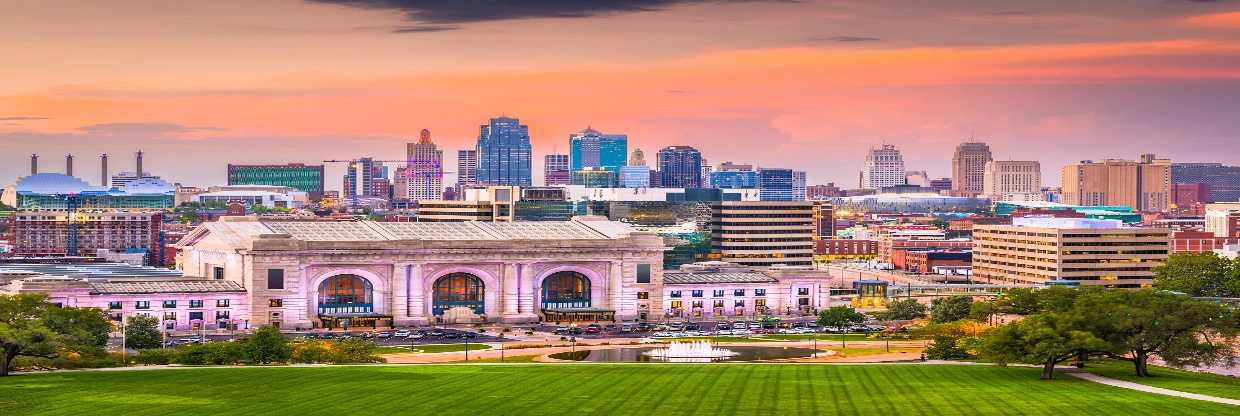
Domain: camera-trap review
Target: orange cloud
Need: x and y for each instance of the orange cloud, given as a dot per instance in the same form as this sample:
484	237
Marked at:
1226	20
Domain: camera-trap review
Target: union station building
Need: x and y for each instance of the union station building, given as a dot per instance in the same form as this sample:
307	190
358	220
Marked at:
320	274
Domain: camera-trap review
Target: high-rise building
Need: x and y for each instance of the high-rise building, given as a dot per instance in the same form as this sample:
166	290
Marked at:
706	171
763	233
734	179
305	178
1091	252
466	169
359	178
595	177
824	220
775	184
556	170
1144	185
1013	180
680	167
504	153
884	167
636	174
729	166
969	167
820	192
424	173
1222	181
798	185
44	233
590	148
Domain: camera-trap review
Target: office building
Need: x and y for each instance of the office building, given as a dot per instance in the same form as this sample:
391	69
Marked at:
591	149
1011	180
556	170
1221	181
821	192
969	166
706	171
734	179
1084	251
1144	185
466	168
775	184
798	185
504	153
360	179
46	233
680	167
424	171
1223	219
636	174
595	177
305	178
824	220
763	233
884	167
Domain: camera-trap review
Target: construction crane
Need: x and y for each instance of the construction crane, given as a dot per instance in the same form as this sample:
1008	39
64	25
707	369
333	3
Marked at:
410	174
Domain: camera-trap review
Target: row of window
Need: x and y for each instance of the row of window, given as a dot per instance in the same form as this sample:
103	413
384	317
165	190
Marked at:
738	303
167	304
172	316
718	293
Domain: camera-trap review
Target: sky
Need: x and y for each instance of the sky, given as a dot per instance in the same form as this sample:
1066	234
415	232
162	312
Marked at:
808	85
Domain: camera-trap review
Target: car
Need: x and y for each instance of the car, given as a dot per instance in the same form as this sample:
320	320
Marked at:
610	327
366	335
437	332
416	335
643	327
403	333
328	335
451	335
470	335
692	326
627	328
194	339
676	327
384	335
575	331
663	334
593	329
309	336
740	332
755	325
723	326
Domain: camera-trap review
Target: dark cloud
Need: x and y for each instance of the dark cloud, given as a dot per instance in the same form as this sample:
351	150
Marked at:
448	12
142	129
844	39
22	118
424	29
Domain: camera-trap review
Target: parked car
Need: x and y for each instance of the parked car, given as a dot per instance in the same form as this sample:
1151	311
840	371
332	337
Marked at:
366	335
593	329
328	335
470	335
384	335
740	332
723	326
403	333
451	335
437	332
692	326
626	328
643	327
416	335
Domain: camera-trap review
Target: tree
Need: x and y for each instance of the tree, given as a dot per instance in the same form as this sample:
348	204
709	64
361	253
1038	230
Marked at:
32	327
840	316
1018	301
903	310
267	345
1139	323
1199	274
950	309
983	311
1046	338
142	332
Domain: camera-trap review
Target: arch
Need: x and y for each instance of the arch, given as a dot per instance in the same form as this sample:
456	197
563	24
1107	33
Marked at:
458	289
598	283
346	294
565	289
378	283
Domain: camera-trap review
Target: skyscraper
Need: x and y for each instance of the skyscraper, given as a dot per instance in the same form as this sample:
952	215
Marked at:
1012	180
1144	185
680	167
798	185
556	169
466	169
884	166
359	178
504	153
775	184
636	174
424	173
706	171
969	167
590	148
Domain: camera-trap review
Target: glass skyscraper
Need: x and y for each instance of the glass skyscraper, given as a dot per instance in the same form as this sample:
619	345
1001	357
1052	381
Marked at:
775	184
680	167
504	153
590	149
734	179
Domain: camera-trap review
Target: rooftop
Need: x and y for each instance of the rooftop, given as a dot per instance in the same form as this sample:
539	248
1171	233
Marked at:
179	286
1047	222
243	228
682	278
93	270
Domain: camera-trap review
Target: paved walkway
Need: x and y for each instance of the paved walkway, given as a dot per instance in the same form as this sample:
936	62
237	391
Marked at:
1150	389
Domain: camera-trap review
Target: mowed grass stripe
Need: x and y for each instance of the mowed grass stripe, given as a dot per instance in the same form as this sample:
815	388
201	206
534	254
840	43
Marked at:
582	389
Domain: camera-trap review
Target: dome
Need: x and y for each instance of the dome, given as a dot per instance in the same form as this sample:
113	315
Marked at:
52	183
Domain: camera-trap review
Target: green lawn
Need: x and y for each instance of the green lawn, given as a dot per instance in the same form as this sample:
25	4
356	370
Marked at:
580	389
1170	378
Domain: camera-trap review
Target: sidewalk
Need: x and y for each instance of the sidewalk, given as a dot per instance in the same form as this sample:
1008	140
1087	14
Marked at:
1149	389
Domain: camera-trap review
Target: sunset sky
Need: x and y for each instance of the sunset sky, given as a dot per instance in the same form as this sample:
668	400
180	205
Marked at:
801	84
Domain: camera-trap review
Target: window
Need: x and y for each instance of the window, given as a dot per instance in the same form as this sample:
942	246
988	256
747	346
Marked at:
220	315
803	291
676	304
170	316
275	303
739	303
697	293
719	303
221	303
170	304
759	292
195	316
675	293
643	273
114	305
217	273
697	304
142	304
759	302
738	292
643	295
718	293
275	279
116	317
803	302
195	303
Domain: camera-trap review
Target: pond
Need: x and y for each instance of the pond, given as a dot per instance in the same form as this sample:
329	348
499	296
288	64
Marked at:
639	355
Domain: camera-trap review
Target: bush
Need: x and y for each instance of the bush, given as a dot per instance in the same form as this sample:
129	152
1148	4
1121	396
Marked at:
352	351
267	345
313	353
946	347
142	332
211	353
155	356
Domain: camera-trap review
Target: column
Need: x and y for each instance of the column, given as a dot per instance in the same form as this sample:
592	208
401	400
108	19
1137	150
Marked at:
400	293
508	286
525	292
615	291
418	299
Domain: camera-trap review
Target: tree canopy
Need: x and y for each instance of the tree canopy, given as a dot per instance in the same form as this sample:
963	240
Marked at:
1199	274
1045	339
950	309
32	327
903	310
142	332
839	316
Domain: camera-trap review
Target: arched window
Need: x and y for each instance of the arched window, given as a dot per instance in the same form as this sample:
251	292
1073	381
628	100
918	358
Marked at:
458	290
567	289
346	294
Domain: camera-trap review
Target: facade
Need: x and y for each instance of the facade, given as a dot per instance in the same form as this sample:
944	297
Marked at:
763	233
926	260
305	178
556	170
504	153
1221	181
734	179
49	233
1223	219
424	171
969	166
680	167
331	274
466	168
1087	251
1144	185
1199	242
719	290
776	184
595	177
846	248
884	166
1007	180
265	198
821	192
360	178
798	186
824	220
636	174
591	149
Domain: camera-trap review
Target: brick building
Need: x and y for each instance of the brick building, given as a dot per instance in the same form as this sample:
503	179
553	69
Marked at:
47	233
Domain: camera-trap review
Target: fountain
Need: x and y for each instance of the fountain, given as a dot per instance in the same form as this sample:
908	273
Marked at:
690	352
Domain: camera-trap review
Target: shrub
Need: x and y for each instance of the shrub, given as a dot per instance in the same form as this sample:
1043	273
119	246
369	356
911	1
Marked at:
313	352
155	356
211	353
352	351
946	347
267	345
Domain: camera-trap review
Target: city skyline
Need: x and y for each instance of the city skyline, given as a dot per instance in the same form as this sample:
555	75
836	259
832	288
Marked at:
1104	79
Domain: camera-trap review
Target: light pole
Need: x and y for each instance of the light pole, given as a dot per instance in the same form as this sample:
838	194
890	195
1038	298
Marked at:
466	348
